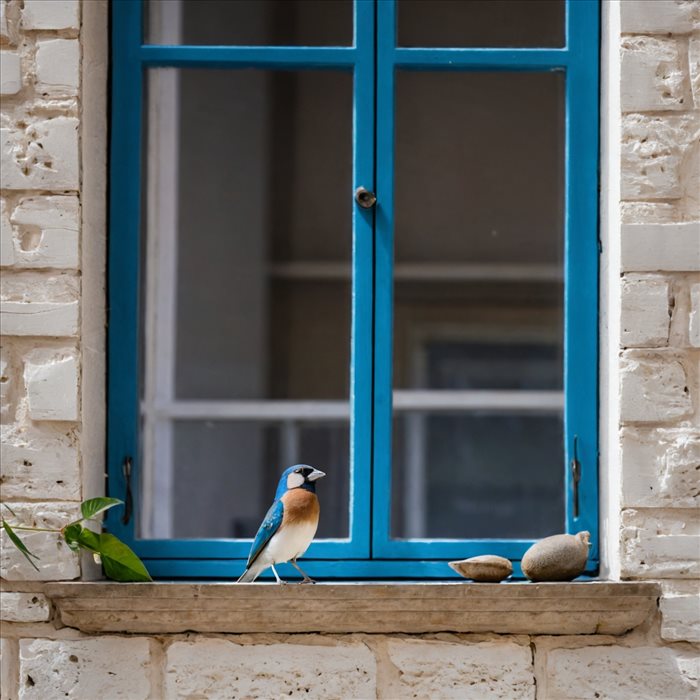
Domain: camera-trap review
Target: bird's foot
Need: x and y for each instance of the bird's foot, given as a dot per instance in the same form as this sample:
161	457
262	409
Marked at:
308	579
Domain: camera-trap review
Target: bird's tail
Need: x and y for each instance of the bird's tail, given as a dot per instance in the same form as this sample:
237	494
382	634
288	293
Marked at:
251	573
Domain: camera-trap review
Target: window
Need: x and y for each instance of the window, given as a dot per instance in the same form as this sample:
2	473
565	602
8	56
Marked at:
435	354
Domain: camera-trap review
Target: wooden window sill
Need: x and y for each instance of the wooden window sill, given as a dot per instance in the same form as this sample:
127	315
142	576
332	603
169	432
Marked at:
586	607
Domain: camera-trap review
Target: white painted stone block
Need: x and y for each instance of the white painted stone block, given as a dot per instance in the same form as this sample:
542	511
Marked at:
43	156
7	246
218	668
653	76
694	317
645	312
8	663
58	67
659	16
694	67
621	673
103	667
52	385
654	150
431	669
40	318
48	232
5	393
649	213
50	14
10	73
24	607
660	468
4	30
56	561
660	543
661	247
653	390
39	465
680	611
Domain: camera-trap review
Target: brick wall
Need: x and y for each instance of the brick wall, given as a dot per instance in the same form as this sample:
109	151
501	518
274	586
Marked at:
44	434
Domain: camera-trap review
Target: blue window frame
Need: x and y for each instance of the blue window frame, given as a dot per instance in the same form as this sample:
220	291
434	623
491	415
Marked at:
374	59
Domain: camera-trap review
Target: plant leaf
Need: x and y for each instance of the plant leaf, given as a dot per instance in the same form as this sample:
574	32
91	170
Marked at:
94	506
119	561
71	534
19	544
10	509
89	540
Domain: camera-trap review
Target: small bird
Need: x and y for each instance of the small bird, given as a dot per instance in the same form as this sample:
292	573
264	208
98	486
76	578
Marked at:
289	526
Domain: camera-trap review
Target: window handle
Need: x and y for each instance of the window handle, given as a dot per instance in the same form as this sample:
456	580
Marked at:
128	498
365	198
575	475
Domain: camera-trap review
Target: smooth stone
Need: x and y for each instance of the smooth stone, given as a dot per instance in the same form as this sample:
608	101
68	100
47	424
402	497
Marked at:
484	568
557	558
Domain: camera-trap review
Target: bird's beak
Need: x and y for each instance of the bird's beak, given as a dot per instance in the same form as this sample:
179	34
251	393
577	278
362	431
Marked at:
315	474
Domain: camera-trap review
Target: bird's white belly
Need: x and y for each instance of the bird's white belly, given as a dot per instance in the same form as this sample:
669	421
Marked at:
291	542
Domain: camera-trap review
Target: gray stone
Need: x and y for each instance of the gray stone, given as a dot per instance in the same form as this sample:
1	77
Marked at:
557	558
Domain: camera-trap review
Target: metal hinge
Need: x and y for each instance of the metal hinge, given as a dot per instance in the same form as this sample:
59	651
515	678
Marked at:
128	498
575	476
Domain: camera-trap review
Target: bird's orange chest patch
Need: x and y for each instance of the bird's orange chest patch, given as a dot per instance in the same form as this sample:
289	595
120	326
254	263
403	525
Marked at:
300	507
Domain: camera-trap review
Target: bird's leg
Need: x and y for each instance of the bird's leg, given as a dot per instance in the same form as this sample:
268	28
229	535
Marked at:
307	578
274	571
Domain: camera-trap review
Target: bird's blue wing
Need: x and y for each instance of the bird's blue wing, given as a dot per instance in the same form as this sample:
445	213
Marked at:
269	527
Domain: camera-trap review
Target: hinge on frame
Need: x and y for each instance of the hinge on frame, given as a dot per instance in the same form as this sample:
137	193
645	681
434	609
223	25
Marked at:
128	498
575	476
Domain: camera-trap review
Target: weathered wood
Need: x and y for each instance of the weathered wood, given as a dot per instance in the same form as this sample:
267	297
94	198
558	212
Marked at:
543	608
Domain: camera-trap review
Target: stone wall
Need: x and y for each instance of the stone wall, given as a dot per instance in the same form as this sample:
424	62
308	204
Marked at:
43	368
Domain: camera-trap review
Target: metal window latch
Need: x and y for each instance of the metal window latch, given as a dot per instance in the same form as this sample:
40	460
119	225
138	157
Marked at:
365	198
575	476
128	498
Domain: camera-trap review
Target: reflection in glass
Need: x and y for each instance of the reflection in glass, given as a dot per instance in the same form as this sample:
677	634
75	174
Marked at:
481	23
249	22
235	312
478	324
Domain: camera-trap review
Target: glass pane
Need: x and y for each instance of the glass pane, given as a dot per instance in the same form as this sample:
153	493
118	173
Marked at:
249	22
481	23
246	291
478	321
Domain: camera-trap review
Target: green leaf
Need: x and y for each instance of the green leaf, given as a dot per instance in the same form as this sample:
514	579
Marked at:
94	506
10	509
19	544
71	534
89	540
119	562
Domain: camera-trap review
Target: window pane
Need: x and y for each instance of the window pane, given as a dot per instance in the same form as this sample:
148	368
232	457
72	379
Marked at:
481	23
478	322
249	22
246	210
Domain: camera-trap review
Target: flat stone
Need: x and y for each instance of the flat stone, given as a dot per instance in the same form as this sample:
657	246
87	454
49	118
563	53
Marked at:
105	667
24	607
621	673
433	669
218	668
487	567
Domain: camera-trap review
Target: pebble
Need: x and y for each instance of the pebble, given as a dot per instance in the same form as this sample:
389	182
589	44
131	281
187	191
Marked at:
557	558
484	568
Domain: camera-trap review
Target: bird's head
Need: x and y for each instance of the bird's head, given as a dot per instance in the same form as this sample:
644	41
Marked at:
300	476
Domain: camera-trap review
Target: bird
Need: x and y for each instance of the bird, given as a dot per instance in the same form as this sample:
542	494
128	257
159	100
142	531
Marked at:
289	525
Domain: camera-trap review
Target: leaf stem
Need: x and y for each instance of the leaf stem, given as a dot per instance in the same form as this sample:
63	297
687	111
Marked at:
34	529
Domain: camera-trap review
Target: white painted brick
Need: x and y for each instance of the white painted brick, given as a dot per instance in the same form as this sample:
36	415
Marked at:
649	213
645	312
104	667
694	317
50	14
659	16
4	30
7	246
49	232
10	73
653	76
9	668
42	156
39	318
654	151
39	465
494	670
218	668
659	247
620	673
653	390
56	561
24	607
660	469
660	543
5	393
58	67
52	385
694	67
680	611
